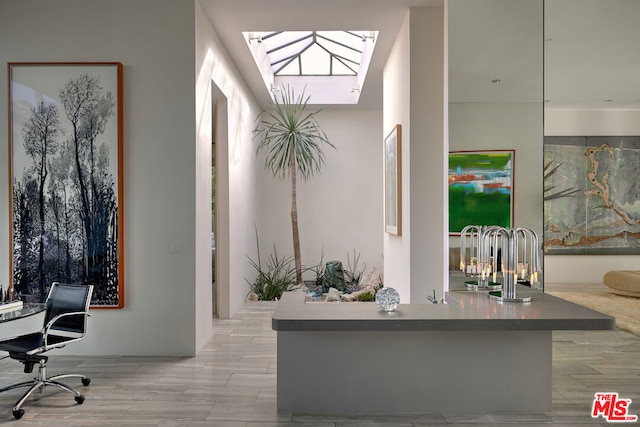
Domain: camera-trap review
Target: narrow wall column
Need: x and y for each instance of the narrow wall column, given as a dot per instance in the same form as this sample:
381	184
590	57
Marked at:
415	95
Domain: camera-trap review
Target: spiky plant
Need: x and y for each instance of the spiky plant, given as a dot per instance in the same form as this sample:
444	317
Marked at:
273	279
293	142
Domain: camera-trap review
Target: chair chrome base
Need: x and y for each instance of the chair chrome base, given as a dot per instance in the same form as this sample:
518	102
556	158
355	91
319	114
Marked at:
40	382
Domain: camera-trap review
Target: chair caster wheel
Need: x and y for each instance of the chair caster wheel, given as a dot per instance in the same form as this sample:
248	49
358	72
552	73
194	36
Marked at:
86	381
18	413
79	399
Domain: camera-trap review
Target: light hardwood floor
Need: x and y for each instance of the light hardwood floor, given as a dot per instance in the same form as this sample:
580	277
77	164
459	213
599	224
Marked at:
232	382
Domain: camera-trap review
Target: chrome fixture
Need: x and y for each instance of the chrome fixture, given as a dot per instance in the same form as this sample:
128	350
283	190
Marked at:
518	249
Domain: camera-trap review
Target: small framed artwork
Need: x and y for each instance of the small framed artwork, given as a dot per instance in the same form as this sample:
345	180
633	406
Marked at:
480	188
393	181
65	170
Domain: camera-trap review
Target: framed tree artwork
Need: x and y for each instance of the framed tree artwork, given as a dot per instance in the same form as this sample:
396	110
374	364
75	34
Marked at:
480	188
65	170
393	181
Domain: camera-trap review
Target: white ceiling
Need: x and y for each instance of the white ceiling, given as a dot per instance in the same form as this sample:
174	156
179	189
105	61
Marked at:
591	53
495	40
231	17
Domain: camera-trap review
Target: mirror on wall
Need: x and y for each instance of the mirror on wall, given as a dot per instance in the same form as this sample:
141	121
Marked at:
591	55
496	101
592	138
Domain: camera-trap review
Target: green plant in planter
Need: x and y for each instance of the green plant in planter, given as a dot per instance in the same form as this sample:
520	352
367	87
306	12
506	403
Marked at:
318	278
353	274
380	283
293	142
366	296
277	277
316	284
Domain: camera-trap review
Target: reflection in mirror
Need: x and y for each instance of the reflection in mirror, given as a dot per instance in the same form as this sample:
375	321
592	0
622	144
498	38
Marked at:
592	126
592	58
496	98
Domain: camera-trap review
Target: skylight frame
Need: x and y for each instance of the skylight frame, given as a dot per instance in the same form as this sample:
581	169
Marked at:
323	61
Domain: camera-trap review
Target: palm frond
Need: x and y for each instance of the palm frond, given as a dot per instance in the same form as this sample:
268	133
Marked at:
291	134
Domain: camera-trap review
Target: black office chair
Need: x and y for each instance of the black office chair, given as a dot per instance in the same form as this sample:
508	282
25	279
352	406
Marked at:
67	309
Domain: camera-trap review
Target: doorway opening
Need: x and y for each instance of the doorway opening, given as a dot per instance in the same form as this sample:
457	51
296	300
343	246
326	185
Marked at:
214	125
219	204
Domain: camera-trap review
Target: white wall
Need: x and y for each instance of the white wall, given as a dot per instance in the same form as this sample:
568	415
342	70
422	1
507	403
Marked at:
203	159
154	39
429	202
584	122
237	187
396	100
340	208
415	96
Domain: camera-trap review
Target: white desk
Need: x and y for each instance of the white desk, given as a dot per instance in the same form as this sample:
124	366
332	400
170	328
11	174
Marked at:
28	309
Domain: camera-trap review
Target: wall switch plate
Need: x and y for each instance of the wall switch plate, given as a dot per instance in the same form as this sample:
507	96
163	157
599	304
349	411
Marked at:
175	247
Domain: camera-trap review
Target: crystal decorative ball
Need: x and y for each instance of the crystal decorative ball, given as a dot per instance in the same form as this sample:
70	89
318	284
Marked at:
388	299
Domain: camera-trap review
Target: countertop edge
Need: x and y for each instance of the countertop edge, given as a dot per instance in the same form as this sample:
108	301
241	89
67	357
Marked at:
292	314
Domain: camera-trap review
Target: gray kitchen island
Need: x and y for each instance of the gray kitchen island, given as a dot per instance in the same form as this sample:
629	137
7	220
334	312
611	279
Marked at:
470	354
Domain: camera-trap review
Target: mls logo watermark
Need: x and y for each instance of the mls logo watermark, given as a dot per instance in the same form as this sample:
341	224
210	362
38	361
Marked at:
612	408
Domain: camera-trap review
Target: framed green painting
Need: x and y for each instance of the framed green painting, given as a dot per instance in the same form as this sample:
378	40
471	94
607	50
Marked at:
480	188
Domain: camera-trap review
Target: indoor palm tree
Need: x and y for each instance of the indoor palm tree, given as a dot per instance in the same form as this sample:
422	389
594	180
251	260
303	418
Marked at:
293	142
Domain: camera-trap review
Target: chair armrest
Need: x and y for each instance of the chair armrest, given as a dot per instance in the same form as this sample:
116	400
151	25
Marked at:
52	322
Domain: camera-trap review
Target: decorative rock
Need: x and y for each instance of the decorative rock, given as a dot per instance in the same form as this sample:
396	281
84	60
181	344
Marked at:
388	299
334	276
348	297
253	296
353	296
333	295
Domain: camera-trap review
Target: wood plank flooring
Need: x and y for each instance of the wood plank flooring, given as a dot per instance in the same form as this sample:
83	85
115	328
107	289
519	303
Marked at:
232	383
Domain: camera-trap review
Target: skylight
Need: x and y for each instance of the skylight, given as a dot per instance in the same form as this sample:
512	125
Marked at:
329	65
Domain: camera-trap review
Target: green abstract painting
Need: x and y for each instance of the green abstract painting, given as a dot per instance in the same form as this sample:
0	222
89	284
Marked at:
480	188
